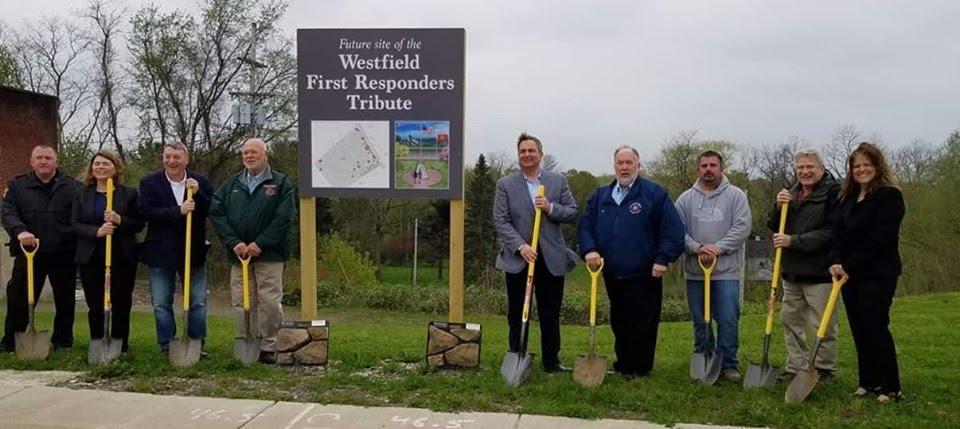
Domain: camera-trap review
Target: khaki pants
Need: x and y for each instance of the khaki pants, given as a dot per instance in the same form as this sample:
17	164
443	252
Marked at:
266	292
803	306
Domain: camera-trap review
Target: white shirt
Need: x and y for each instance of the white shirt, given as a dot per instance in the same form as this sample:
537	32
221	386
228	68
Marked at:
179	188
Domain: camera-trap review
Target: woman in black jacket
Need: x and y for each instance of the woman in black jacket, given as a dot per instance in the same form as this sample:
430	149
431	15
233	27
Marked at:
92	223
865	248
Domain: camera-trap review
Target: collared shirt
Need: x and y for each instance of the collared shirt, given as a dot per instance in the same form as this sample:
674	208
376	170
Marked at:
253	181
532	189
532	186
619	193
179	188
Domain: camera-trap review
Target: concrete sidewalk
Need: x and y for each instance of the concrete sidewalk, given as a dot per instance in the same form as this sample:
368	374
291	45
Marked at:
27	401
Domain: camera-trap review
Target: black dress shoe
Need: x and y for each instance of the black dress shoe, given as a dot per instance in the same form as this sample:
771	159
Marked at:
556	368
268	357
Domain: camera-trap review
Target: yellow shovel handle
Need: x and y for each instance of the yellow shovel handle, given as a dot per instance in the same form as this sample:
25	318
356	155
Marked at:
245	268
186	255
533	244
30	254
707	271
108	253
775	279
831	303
108	256
594	275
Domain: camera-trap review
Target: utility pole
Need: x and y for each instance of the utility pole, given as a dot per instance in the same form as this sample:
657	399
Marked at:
416	226
250	112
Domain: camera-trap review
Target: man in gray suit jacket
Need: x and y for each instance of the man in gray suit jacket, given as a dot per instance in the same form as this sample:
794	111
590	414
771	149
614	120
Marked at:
513	215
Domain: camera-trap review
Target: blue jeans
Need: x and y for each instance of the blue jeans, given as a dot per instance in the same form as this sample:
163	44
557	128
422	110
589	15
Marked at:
162	286
725	309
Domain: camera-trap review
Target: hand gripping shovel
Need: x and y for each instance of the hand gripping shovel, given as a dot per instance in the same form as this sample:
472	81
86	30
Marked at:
186	351
31	344
516	365
589	370
765	375
246	348
106	349
807	378
705	365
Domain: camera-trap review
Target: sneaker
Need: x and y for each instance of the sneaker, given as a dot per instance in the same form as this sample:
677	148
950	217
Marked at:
731	375
883	398
863	391
786	376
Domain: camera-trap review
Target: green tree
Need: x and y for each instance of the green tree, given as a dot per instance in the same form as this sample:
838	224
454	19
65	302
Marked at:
436	230
480	238
582	185
9	72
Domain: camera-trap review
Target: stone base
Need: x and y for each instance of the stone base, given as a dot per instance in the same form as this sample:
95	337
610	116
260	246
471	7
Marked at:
303	342
453	345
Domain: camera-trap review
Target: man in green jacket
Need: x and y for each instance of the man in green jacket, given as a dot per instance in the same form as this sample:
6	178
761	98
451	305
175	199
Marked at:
252	212
806	281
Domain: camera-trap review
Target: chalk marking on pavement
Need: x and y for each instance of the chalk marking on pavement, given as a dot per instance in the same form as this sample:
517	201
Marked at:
299	416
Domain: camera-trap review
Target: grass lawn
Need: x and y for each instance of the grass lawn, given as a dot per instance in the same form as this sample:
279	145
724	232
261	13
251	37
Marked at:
377	361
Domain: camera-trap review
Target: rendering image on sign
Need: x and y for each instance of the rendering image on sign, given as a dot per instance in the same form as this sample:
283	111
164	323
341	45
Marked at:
350	154
380	112
421	154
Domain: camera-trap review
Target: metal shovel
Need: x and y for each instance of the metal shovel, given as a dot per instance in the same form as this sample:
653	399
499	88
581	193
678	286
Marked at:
590	370
246	348
186	351
106	349
31	344
807	378
705	365
516	365
765	375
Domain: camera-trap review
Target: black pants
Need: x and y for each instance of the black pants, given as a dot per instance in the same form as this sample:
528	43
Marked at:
122	277
868	309
548	290
635	305
62	272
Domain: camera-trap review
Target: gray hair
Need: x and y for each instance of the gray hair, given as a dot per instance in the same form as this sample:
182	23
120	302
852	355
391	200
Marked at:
176	145
626	146
809	152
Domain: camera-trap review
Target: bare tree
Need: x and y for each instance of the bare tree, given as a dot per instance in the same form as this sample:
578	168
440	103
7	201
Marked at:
915	162
106	21
674	167
550	163
186	66
50	56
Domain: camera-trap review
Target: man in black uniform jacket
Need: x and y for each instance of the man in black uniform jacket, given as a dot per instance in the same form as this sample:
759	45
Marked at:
37	206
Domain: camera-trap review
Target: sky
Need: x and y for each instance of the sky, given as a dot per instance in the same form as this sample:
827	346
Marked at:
587	78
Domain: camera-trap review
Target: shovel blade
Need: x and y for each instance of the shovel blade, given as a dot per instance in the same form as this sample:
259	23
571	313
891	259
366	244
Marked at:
705	367
760	376
184	352
32	344
590	370
103	350
246	350
516	367
801	386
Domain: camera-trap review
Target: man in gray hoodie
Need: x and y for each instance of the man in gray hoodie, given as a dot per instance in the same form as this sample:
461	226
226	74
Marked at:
716	217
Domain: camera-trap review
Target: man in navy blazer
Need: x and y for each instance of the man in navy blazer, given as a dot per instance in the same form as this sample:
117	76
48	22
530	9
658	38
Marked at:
514	208
633	225
164	206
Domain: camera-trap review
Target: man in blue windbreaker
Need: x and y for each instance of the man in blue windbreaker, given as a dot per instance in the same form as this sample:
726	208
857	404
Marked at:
633	225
